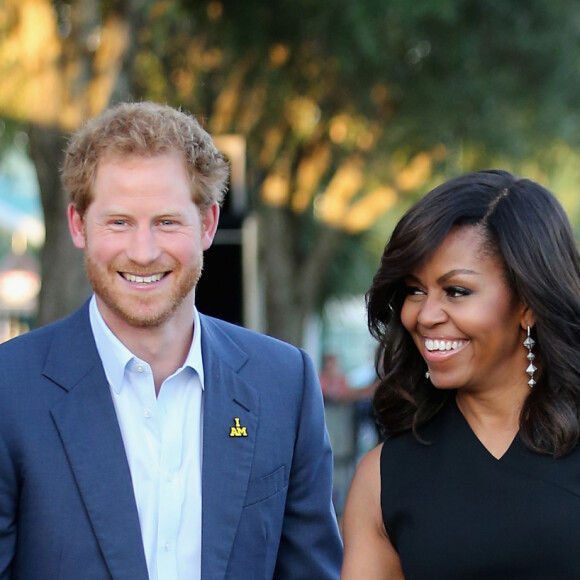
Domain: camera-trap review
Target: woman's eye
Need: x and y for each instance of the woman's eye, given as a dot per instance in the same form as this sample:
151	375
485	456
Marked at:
413	291
457	291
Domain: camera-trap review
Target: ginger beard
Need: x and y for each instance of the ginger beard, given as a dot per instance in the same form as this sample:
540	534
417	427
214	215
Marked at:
143	310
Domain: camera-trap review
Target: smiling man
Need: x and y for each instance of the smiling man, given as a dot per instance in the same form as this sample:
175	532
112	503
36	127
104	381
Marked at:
141	439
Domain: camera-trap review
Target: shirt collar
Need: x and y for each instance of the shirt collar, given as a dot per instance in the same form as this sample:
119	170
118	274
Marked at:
115	355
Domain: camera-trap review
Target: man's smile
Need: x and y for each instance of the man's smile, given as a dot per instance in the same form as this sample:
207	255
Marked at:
143	279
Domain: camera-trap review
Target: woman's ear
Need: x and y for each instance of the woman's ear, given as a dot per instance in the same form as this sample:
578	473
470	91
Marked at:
528	318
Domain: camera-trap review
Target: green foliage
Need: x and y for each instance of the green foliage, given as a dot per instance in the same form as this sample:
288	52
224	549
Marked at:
489	80
503	74
12	134
352	268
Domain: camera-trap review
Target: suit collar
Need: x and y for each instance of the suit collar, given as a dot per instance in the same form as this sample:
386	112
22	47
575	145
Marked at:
72	354
227	459
216	342
87	424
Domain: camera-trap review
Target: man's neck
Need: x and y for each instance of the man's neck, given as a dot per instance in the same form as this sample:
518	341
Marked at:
164	347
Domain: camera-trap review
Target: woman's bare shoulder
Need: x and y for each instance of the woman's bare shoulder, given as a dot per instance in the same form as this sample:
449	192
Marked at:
368	553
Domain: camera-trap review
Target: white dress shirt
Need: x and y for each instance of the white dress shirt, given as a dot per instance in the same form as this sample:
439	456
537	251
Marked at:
162	437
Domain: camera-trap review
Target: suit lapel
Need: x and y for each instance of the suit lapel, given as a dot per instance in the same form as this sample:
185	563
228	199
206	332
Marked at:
88	427
230	405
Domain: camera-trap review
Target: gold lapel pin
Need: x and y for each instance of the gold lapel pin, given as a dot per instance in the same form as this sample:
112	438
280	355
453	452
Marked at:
237	430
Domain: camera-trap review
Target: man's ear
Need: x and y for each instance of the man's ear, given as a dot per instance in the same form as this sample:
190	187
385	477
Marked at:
76	227
209	223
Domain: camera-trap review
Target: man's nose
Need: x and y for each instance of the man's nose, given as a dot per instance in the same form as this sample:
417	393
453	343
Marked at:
143	246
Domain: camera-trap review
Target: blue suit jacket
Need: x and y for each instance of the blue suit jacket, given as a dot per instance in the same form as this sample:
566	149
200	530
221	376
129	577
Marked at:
67	508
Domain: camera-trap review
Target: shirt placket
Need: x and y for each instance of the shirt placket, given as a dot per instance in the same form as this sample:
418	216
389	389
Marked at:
170	489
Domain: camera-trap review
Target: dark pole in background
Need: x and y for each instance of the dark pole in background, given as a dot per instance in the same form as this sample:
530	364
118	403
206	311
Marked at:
228	288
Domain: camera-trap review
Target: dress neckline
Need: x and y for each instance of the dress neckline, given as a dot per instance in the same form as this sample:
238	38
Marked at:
462	420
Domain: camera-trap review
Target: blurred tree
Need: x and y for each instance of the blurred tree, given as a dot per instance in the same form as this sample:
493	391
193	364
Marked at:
59	63
350	109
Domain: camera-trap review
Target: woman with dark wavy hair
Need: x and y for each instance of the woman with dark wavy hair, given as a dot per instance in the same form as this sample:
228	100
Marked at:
476	307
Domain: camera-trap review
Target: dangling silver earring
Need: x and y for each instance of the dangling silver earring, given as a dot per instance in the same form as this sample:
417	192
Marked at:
529	344
427	375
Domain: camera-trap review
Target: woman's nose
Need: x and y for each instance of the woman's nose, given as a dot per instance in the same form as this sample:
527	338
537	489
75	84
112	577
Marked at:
432	311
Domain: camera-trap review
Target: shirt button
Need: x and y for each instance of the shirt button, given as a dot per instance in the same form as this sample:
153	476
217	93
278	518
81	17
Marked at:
146	413
167	547
139	368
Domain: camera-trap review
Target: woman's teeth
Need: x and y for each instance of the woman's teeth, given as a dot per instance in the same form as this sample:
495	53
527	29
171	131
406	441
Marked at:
432	345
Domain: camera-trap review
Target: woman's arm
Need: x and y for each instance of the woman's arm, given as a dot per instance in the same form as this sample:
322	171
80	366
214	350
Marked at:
368	553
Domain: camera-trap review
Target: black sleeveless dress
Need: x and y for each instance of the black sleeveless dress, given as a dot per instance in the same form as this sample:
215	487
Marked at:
453	511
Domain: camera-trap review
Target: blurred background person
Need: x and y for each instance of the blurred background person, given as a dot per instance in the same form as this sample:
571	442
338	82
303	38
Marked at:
349	419
332	380
340	416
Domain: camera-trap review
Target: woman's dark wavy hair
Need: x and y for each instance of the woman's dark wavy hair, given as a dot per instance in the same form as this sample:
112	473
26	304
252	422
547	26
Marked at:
527	229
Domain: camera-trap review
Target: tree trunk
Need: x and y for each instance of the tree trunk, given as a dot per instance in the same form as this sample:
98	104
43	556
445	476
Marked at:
277	235
293	284
64	284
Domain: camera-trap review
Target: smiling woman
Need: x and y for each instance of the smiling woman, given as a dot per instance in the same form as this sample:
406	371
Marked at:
465	320
475	306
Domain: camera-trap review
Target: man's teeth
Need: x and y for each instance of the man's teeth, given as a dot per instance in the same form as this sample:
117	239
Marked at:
143	279
442	344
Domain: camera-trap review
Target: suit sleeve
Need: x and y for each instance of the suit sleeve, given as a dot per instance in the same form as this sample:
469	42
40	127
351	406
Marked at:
310	546
8	501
